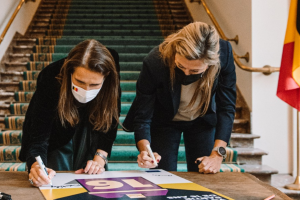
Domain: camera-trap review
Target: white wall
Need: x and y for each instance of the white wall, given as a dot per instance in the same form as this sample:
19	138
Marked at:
261	27
21	22
271	117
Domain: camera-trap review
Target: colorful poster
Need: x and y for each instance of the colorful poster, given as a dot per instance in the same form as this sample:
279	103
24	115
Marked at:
126	185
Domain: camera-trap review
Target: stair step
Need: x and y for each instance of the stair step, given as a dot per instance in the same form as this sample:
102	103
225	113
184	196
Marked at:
106	40
96	21
9	153
98	15
242	140
110	11
37	66
238	112
262	172
241	126
26	96
13	167
24	86
250	156
124	57
9	86
7	96
23	49
259	169
114	16
33	75
159	4
102	2
12	76
77	32
13	138
5	109
100	26
23	96
21	108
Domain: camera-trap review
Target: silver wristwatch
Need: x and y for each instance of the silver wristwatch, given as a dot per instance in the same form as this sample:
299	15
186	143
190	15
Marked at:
102	156
221	151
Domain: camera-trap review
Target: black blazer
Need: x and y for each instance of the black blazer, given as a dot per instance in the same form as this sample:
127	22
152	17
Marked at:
42	129
156	101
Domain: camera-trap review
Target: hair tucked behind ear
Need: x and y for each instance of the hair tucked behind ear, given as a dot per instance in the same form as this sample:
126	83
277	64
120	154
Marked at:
196	41
95	57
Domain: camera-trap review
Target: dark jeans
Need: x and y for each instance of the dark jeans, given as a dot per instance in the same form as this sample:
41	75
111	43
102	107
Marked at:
198	140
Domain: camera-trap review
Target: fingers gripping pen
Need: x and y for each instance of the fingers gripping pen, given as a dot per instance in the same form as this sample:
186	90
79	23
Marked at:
42	166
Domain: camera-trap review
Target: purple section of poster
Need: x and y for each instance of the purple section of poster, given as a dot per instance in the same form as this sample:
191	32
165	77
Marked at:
122	193
118	187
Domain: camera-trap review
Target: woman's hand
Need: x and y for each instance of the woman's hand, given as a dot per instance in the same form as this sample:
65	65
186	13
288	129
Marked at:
92	167
145	161
38	177
210	164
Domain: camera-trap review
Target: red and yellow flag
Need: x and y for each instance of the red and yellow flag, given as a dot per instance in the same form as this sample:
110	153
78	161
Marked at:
288	88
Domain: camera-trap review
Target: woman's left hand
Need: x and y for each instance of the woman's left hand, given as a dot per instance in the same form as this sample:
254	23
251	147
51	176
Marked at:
210	164
92	167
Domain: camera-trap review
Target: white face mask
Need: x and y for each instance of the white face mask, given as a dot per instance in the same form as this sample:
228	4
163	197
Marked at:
82	95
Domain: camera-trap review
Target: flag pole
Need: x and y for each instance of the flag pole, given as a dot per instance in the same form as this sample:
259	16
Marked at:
296	184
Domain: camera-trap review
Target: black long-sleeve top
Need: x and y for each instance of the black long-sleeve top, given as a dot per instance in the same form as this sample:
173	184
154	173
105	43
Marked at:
157	101
42	128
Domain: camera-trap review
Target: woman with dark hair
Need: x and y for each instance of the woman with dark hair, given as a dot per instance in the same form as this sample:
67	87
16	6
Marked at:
72	118
187	85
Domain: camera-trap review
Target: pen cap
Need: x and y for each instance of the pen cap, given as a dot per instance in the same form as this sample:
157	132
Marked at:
4	197
39	160
41	164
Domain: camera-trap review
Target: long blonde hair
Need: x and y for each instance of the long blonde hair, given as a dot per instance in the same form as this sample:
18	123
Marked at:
93	56
196	41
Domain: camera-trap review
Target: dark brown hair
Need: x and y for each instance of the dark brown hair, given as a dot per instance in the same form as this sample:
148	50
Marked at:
95	57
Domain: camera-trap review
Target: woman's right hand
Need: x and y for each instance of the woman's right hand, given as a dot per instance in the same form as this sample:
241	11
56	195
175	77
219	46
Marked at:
38	177
145	161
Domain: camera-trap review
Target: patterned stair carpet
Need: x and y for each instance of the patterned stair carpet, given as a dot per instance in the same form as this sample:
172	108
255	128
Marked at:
132	28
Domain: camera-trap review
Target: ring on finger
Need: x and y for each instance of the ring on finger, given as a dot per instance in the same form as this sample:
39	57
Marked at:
30	181
142	163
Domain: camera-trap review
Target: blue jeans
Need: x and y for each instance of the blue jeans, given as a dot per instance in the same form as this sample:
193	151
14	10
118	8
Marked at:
198	139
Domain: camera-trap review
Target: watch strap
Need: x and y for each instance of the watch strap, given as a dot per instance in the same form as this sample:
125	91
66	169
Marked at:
217	150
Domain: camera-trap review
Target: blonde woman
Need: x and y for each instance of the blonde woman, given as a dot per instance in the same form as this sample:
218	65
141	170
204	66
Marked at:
71	122
187	85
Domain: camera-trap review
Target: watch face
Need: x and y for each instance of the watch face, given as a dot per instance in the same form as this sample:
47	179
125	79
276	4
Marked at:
222	151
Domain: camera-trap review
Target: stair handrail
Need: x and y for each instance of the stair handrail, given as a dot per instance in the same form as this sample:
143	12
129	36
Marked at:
266	70
12	18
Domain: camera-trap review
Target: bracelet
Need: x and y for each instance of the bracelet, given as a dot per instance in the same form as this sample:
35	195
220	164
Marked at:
102	156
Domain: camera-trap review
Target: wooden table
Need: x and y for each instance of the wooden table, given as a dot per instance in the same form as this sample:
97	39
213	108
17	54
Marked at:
239	186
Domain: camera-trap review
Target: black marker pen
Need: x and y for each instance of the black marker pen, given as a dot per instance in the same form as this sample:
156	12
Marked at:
4	197
4	194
